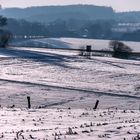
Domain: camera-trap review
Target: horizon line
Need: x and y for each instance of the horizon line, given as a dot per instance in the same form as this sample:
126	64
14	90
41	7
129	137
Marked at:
25	7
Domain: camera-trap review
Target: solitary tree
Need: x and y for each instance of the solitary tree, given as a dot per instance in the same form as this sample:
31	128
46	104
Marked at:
120	50
4	35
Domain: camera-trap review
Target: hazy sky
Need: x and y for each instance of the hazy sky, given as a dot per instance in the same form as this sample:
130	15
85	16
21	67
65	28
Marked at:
118	5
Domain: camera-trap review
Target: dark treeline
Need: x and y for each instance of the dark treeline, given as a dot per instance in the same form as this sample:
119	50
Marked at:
25	28
61	28
132	36
57	21
97	29
47	14
86	21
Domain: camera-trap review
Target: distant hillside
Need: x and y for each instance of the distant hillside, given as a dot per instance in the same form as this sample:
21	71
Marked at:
128	16
51	13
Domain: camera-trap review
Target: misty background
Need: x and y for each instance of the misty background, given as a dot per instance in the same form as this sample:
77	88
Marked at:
117	5
80	21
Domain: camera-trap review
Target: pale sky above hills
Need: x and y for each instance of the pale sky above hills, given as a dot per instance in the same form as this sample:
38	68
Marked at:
118	5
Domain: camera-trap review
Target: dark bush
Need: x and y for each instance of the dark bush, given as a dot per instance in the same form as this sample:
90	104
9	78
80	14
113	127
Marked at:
120	50
5	37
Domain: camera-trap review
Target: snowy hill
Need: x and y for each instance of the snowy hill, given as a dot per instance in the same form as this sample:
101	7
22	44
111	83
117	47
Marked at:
48	14
53	72
65	86
74	43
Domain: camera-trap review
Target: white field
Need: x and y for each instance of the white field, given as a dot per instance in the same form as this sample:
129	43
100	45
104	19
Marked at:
57	80
64	124
74	43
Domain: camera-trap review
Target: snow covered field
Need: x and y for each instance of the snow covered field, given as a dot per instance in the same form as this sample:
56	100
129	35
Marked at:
64	124
74	43
61	78
65	86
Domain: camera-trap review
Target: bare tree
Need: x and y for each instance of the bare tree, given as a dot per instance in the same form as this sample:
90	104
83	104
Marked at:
120	50
4	35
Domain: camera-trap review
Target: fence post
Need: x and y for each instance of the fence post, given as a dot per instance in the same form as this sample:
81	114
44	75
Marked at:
88	50
96	104
29	102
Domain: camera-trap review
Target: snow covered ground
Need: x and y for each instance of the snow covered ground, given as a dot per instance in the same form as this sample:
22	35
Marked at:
68	124
74	43
64	87
61	78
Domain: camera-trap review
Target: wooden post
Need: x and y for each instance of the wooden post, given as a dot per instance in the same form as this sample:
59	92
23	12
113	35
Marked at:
88	48
96	104
29	102
88	51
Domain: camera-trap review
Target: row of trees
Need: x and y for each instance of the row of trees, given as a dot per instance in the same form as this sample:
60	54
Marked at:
61	28
98	29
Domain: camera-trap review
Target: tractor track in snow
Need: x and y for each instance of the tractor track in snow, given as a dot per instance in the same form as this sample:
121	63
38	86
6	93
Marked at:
97	93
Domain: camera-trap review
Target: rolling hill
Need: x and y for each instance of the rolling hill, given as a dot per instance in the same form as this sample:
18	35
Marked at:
51	13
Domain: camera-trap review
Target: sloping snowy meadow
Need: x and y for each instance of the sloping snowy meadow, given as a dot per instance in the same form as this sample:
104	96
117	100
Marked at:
75	43
63	88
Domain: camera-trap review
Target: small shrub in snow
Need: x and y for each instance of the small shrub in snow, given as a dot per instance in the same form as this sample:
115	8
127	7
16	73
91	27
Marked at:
5	37
70	132
120	50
